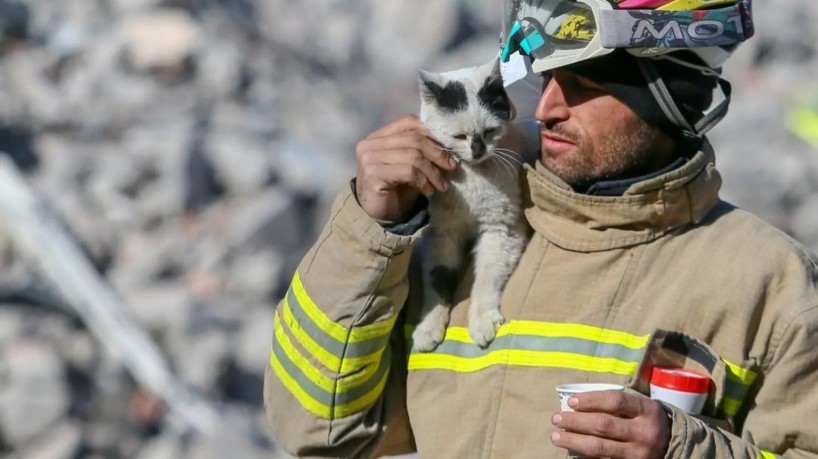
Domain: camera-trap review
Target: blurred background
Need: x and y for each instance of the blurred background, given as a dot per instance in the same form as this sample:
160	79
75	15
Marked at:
167	163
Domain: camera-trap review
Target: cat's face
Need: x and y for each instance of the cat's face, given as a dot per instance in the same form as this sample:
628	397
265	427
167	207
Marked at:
466	110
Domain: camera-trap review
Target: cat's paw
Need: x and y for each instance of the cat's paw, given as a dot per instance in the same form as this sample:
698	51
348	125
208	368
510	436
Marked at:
483	326
427	336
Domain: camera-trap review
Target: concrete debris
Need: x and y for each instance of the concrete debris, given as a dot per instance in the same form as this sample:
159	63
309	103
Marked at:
193	149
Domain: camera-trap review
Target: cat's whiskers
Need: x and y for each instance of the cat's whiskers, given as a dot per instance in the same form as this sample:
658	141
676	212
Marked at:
449	151
510	155
508	152
507	167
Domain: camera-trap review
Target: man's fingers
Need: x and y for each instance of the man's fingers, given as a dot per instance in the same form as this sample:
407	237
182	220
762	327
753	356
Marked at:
596	424
619	403
392	175
588	446
409	140
402	124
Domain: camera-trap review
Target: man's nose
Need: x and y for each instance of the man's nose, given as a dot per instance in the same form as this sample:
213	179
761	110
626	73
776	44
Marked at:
552	106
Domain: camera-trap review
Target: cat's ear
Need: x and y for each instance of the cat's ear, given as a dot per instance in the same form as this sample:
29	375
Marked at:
495	76
429	85
493	94
447	95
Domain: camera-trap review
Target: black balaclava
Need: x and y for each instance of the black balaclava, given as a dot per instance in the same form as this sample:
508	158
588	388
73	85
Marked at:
619	74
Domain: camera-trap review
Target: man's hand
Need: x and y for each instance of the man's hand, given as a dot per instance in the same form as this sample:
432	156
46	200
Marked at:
395	165
614	424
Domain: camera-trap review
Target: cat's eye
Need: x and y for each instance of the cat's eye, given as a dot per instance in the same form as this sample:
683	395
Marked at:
460	136
491	132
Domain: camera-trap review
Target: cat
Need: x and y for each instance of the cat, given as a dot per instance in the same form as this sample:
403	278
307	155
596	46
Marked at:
468	111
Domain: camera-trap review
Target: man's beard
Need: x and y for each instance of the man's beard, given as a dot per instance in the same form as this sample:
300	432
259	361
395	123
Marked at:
629	153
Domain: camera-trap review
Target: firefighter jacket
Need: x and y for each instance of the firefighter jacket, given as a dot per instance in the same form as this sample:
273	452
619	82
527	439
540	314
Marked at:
608	287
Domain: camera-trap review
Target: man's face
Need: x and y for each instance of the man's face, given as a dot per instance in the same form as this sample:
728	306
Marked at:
587	135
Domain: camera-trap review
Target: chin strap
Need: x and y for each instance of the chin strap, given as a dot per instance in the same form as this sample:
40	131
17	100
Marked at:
665	100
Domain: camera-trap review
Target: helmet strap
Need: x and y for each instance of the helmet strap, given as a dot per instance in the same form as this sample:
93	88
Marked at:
671	110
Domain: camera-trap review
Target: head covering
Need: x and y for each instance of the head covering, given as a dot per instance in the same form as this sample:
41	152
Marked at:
619	74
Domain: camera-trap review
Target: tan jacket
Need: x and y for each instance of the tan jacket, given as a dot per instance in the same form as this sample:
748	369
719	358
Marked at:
607	288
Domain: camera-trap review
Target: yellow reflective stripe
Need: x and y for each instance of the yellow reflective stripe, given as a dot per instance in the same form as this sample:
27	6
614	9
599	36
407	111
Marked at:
314	374
738	374
730	405
423	361
325	357
334	329
356	406
568	330
310	404
320	409
767	455
554	330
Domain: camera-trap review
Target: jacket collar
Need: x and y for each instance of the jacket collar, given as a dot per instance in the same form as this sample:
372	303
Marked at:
648	209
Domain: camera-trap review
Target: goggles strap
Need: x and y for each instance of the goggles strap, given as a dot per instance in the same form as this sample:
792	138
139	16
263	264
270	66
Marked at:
627	28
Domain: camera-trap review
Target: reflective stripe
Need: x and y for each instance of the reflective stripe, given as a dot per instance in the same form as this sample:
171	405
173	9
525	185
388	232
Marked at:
738	383
356	360
739	375
556	345
537	344
334	329
319	394
314	374
334	355
768	455
521	358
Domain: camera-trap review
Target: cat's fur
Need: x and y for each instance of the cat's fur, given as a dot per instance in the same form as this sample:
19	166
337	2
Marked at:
468	111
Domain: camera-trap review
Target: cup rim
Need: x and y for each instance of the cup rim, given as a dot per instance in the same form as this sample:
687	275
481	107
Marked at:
576	388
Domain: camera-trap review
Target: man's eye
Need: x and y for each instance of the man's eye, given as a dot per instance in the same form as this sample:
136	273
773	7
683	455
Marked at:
460	137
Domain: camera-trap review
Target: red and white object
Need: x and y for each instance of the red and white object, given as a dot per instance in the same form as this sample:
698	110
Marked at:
679	387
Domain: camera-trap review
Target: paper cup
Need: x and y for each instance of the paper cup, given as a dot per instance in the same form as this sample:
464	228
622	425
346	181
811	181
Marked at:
565	391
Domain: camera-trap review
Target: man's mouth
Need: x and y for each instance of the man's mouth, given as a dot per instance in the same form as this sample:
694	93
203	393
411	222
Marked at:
554	142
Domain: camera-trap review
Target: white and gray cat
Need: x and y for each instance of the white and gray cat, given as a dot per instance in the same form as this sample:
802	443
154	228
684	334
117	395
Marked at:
468	112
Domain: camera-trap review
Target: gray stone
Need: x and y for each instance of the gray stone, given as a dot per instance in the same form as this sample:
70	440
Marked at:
253	348
160	39
254	275
62	441
33	395
267	220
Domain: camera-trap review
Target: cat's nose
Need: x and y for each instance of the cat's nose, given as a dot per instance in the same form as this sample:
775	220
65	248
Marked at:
478	148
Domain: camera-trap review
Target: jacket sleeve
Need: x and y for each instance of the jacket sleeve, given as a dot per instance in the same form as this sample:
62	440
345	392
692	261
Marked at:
780	421
335	386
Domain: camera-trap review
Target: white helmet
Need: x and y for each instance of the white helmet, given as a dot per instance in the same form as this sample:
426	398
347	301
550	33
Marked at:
556	33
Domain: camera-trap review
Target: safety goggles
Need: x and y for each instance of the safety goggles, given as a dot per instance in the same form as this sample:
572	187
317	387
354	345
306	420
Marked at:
555	33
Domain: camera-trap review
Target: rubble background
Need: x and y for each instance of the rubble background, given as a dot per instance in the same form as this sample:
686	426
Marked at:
193	148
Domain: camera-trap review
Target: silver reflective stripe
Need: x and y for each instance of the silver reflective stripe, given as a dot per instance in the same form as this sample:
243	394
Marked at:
542	344
323	396
337	348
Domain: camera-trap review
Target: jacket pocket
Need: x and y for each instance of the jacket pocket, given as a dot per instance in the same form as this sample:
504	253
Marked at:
732	385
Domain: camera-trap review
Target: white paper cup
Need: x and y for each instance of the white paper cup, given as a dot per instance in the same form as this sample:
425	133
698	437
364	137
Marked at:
565	391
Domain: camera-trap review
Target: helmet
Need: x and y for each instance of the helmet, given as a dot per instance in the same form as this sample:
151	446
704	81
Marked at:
557	33
562	32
